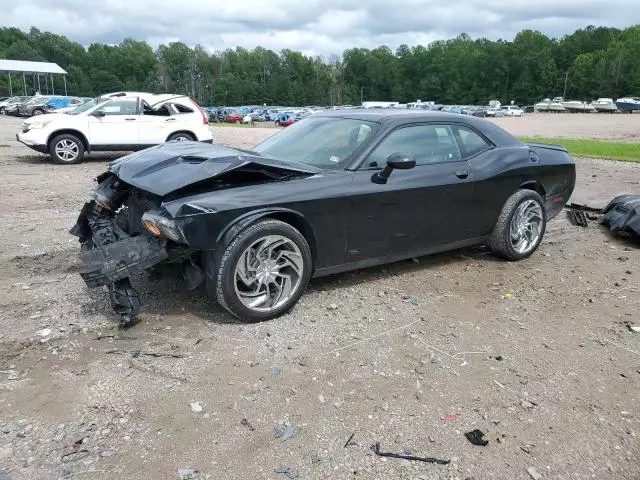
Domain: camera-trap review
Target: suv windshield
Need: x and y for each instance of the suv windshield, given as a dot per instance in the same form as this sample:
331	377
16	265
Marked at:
322	142
87	105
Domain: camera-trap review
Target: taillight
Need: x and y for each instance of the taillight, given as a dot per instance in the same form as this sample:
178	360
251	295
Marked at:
205	120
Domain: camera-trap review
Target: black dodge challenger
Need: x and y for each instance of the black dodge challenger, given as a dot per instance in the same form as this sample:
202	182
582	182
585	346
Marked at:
334	192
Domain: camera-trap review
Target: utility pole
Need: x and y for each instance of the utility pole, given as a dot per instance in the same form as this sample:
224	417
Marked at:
361	92
564	94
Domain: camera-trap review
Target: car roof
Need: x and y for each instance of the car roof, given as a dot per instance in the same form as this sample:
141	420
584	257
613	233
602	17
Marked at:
396	117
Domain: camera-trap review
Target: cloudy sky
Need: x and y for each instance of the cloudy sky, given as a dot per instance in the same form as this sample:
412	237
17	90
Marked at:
313	26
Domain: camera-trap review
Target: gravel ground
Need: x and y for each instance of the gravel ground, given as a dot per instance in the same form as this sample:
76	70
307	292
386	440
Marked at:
553	371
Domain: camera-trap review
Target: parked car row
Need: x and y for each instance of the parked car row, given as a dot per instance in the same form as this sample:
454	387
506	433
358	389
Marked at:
39	104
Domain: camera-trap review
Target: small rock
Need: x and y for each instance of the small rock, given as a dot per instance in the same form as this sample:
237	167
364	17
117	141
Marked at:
13	376
436	360
534	473
526	405
634	328
333	306
321	398
188	473
275	370
415	260
45	332
195	407
628	272
499	358
6	452
285	433
431	439
245	423
623	258
107	453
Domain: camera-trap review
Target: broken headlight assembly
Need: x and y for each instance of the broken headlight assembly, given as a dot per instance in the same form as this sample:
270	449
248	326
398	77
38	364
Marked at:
159	225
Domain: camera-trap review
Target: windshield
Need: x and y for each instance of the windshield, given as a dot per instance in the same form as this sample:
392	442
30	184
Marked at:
322	142
87	105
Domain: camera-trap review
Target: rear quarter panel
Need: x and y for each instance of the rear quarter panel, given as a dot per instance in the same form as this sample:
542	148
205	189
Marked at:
503	170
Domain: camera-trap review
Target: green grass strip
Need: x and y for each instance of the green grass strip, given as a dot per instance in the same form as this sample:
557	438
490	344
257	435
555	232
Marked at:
627	152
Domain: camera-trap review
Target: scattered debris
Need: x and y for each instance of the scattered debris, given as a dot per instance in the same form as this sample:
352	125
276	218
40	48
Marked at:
333	306
349	441
495	437
285	433
245	423
288	472
411	301
275	370
526	448
634	328
499	358
74	456
577	217
138	353
622	215
477	438
188	473
450	418
500	385
376	450
534	473
107	453
436	360
507	296
195	407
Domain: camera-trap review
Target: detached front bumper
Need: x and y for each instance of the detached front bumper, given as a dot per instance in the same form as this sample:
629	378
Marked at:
116	261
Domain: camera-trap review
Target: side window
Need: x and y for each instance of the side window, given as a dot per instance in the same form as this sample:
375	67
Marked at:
426	144
120	107
182	108
472	143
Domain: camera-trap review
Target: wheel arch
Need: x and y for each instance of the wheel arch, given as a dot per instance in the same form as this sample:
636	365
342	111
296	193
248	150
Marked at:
534	185
291	217
70	131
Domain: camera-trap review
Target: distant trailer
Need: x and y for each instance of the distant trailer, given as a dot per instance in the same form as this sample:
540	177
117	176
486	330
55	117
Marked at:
379	104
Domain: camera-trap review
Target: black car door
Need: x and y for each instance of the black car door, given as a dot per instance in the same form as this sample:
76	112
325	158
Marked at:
417	209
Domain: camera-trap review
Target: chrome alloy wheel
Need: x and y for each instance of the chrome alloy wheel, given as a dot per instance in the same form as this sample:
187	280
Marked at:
268	273
67	150
526	225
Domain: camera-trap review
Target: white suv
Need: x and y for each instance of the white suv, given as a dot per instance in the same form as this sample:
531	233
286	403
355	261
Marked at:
512	111
124	121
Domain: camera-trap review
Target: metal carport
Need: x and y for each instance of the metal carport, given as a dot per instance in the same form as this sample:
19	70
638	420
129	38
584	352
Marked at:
33	69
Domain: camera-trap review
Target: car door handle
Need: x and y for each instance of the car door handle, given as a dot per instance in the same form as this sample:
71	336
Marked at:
462	174
129	119
170	120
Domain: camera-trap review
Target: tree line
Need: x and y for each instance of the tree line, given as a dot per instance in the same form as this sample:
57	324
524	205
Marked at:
589	63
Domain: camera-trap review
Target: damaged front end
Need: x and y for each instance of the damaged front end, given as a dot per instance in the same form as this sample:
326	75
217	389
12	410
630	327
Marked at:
122	232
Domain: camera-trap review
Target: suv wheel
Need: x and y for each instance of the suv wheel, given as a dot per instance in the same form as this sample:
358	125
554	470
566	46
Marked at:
263	271
66	149
180	137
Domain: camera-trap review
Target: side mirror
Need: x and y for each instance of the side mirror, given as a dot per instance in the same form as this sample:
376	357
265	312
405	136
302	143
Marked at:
98	113
400	161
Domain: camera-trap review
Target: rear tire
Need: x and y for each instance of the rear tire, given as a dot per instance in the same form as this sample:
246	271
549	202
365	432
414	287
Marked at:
271	250
520	226
180	137
66	149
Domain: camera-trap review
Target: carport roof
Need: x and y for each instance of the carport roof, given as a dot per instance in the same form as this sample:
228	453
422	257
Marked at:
21	66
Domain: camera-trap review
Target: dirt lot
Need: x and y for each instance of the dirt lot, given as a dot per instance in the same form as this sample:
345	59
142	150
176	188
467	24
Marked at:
554	368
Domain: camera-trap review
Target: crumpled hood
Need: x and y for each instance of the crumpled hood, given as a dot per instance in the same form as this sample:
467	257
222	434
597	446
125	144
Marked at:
174	165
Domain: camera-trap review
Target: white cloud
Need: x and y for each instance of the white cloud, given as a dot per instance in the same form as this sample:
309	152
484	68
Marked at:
312	26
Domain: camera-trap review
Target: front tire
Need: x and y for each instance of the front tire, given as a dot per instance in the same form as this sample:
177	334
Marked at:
520	226
263	271
66	149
